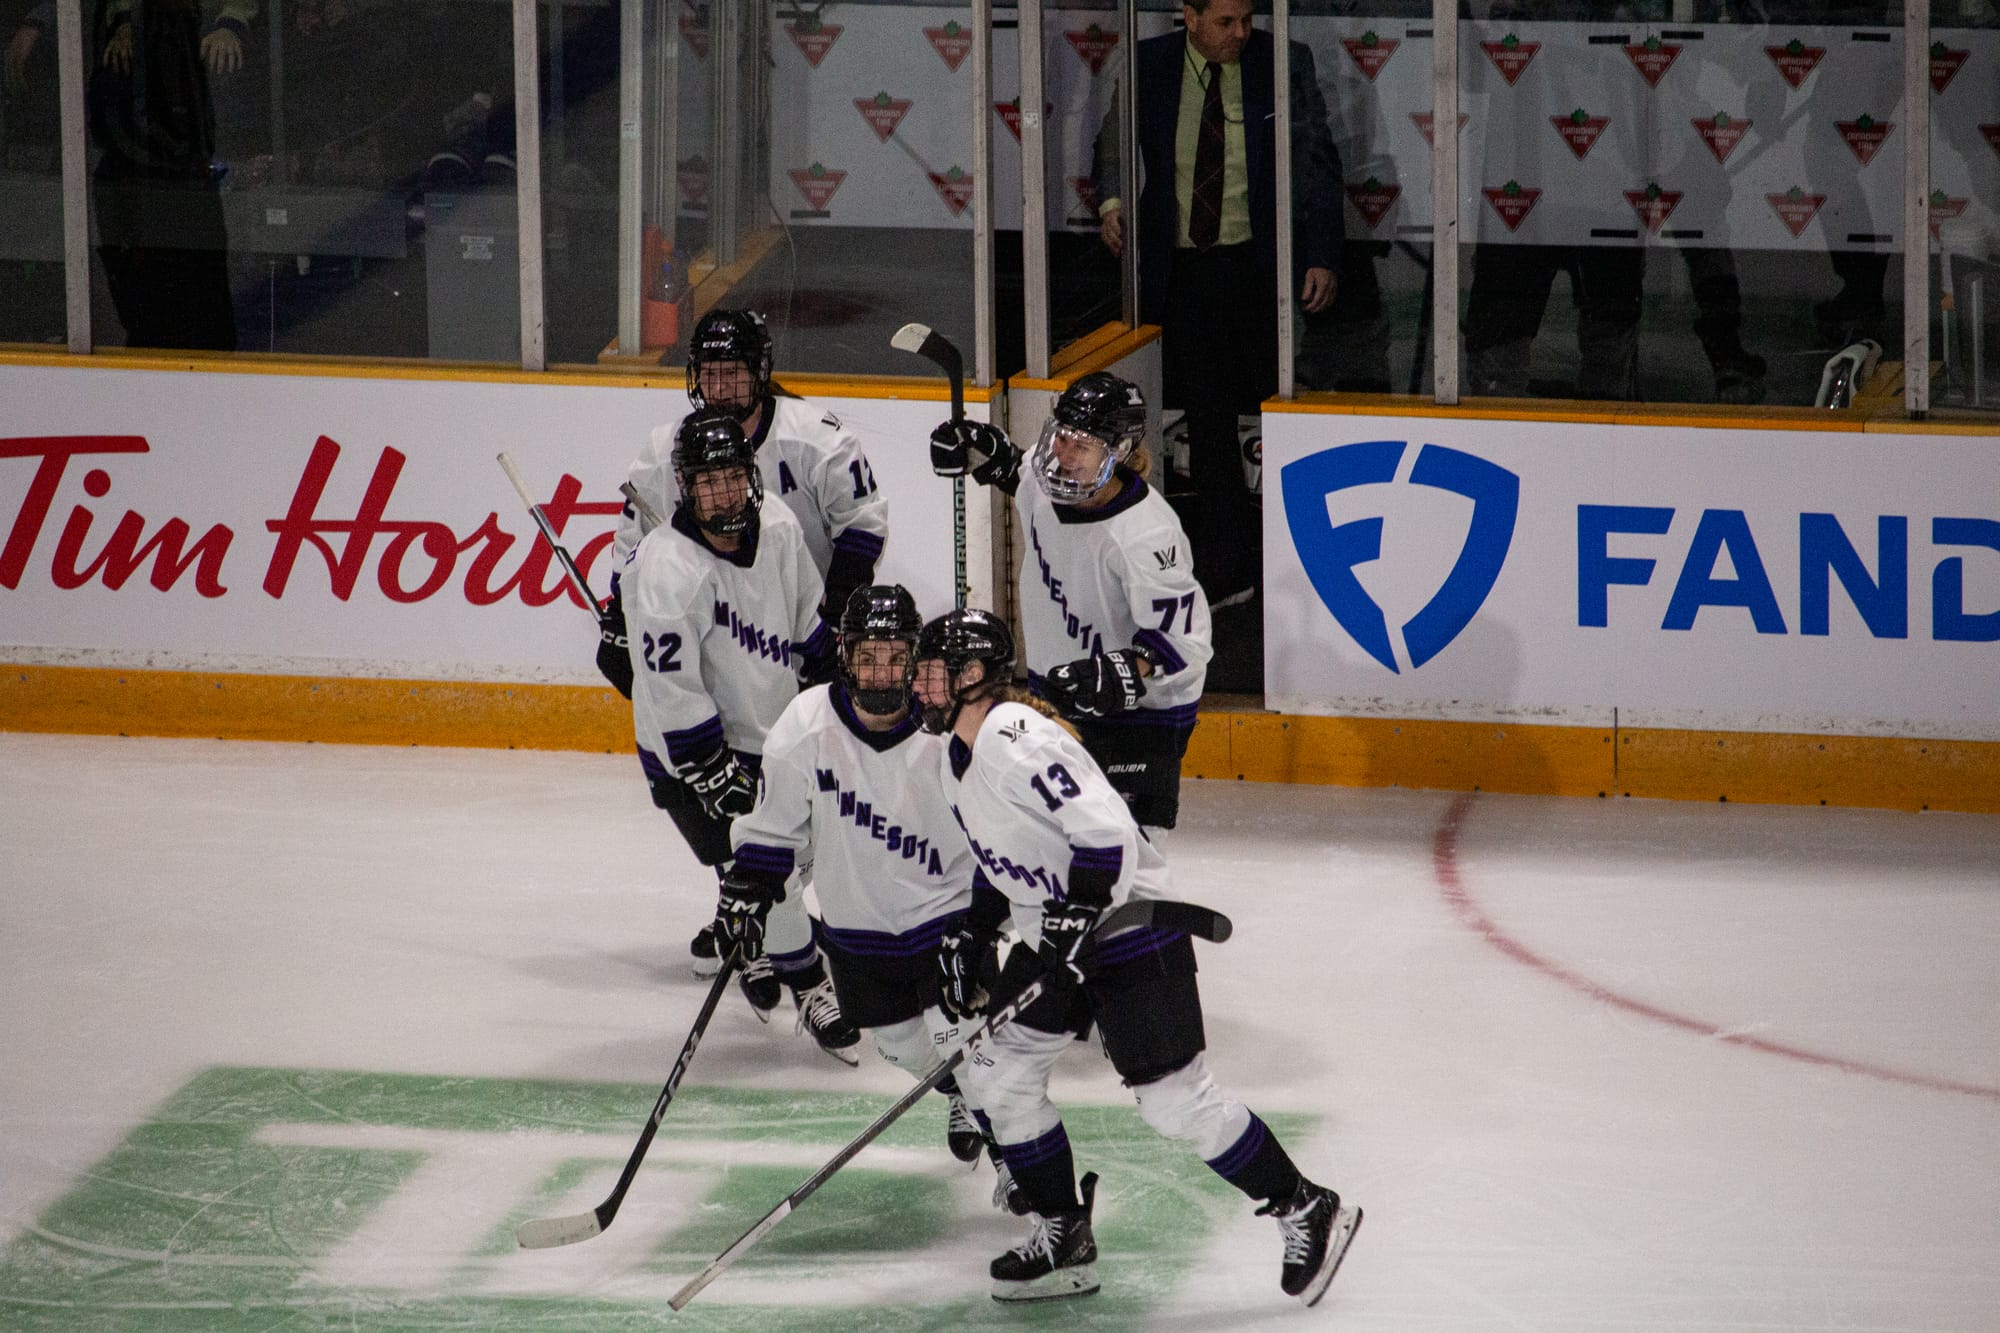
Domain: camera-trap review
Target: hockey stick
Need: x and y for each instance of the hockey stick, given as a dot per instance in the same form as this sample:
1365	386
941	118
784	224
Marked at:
647	514
548	531
935	347
1182	916
546	1232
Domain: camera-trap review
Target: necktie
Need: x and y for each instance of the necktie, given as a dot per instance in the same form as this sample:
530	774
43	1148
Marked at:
1205	217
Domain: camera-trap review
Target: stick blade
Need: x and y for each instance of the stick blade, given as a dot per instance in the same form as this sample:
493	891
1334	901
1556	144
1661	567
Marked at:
545	1233
910	337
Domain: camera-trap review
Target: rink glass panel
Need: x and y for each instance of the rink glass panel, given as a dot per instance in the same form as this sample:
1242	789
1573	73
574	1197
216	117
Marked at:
31	232
319	176
1678	212
856	216
1964	208
259	1198
1373	63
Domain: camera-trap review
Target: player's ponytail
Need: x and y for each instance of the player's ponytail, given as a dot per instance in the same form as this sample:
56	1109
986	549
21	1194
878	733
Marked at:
1015	693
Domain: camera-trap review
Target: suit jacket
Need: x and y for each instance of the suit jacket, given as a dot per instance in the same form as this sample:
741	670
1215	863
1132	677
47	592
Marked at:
1318	224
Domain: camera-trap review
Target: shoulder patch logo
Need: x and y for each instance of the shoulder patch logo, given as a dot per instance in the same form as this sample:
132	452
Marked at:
1013	731
1168	556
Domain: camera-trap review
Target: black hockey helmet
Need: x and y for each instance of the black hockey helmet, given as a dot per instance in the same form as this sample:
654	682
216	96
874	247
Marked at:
731	335
881	612
958	639
711	439
1098	422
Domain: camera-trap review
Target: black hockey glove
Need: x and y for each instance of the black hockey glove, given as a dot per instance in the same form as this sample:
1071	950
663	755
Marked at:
978	448
614	656
965	966
740	908
847	571
818	661
1066	926
723	785
1097	686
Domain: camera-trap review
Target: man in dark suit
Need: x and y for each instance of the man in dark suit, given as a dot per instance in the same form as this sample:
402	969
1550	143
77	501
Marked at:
1208	245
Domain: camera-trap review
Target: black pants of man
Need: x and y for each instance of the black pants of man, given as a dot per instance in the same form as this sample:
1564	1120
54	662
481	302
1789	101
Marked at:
1221	353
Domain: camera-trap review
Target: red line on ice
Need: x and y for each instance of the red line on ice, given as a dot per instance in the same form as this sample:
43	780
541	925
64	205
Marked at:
1444	864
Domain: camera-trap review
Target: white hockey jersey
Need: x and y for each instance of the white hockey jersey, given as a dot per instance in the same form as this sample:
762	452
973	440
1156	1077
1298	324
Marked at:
1034	804
865	811
1116	577
807	459
716	639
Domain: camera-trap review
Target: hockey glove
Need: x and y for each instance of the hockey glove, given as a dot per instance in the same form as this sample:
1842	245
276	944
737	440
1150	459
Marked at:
740	908
978	448
964	967
614	656
1097	686
722	783
1066	927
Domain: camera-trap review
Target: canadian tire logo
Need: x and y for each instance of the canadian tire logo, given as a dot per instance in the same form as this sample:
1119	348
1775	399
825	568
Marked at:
1864	137
813	38
1512	201
1795	208
1580	130
1369	53
952	42
1721	132
1422	120
954	187
1510	55
692	173
1653	58
1944	209
883	113
1945	64
1330	553
1795	60
1010	115
1093	46
694	30
1654	205
1373	200
817	184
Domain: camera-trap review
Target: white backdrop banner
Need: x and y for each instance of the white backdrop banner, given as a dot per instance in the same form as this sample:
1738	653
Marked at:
1652	576
350	527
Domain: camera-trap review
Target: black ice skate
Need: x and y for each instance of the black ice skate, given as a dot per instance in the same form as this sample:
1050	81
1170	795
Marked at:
819	1014
760	987
1007	1196
703	960
1058	1260
1316	1232
961	1131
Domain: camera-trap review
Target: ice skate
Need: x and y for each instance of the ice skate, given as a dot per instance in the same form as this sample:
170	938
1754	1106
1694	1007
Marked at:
703	960
1316	1232
1058	1260
961	1131
819	1014
760	987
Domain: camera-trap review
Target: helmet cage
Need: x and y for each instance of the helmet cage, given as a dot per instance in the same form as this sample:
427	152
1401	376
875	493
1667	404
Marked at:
880	613
730	335
711	440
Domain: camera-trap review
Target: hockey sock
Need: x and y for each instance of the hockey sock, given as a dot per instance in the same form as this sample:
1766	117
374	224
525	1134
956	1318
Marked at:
800	970
1044	1171
1257	1164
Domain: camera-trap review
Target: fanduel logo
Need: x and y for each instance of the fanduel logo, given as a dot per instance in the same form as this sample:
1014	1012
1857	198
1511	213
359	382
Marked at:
1330	553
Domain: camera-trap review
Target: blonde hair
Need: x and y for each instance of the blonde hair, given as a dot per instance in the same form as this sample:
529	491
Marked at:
1013	692
1140	461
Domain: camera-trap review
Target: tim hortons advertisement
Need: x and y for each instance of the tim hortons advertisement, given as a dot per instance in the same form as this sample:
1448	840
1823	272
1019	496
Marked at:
317	526
1674	577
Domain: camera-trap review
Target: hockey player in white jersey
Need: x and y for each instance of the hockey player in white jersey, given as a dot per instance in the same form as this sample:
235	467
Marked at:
850	789
805	456
1118	630
1056	839
724	607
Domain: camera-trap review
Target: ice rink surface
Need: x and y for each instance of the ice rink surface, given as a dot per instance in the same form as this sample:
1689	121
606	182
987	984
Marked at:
295	1034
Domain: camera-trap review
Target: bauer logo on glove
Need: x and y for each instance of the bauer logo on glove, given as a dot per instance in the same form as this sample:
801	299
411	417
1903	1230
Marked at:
1097	686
